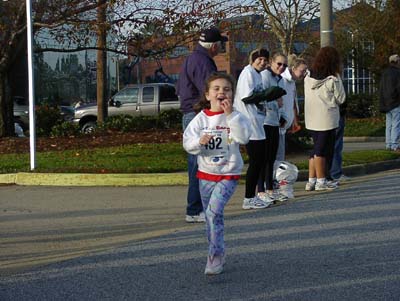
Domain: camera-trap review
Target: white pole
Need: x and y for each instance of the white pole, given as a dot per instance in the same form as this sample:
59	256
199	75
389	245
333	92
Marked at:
32	129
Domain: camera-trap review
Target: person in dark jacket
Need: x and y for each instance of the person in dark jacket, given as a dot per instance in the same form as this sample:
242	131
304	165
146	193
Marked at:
190	86
389	97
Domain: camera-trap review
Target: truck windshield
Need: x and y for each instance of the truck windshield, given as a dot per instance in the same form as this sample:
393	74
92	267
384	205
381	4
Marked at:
128	95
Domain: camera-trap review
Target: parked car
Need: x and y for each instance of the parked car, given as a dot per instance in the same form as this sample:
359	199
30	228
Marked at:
134	100
21	114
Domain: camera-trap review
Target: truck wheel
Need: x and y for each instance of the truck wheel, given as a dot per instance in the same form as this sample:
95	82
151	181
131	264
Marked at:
89	127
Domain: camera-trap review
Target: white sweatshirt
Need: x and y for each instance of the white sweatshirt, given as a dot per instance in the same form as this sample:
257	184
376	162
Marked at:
249	82
290	99
273	111
321	102
222	155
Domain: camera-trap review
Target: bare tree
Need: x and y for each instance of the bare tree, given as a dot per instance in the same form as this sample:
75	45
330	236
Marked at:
78	25
284	16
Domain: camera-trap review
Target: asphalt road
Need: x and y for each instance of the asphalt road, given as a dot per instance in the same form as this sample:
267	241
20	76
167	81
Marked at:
341	245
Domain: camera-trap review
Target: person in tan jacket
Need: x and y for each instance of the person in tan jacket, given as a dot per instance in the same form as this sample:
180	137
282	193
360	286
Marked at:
324	92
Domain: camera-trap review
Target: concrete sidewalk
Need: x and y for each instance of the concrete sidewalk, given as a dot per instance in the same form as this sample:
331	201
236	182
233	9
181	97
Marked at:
180	178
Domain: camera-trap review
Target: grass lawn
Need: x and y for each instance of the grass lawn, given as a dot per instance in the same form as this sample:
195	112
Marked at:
139	158
366	127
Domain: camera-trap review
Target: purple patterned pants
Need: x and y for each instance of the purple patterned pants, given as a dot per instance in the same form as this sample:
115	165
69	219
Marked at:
215	195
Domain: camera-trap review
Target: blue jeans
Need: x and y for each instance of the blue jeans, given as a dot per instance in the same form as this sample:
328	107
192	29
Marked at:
393	129
336	168
194	205
215	196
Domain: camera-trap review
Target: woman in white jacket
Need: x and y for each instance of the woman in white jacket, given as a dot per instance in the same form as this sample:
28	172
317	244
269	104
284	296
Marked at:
324	92
295	71
250	86
274	120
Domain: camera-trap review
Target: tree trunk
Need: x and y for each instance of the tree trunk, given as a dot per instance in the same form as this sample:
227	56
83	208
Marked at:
6	107
102	104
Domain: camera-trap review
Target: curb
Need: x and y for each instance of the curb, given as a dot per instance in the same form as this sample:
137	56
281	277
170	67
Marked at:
171	179
360	169
364	139
61	179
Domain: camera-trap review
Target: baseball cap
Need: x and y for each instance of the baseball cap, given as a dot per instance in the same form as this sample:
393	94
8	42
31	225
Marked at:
212	35
395	58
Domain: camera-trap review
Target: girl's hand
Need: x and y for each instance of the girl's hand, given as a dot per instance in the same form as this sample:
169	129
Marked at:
226	105
205	139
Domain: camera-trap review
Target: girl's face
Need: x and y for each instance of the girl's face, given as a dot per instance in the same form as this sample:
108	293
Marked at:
299	72
279	64
219	94
260	63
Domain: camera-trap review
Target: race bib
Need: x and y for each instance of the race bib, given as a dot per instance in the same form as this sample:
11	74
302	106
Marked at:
218	145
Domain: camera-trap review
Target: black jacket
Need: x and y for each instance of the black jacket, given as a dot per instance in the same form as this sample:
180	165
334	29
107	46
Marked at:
389	89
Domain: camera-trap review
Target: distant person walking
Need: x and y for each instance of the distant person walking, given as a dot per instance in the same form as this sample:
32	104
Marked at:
191	84
389	96
324	92
214	136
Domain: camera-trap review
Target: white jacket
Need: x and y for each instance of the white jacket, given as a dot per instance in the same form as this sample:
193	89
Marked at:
273	112
222	155
290	99
249	82
321	103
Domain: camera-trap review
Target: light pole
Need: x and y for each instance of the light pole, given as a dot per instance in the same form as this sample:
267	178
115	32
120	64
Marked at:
32	129
326	23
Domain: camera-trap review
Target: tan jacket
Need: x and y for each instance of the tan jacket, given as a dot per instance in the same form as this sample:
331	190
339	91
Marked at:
321	102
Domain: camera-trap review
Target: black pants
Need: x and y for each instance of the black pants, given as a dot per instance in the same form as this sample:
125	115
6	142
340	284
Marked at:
256	152
271	148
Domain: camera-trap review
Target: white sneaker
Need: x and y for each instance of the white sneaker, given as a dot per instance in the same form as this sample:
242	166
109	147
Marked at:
310	186
201	218
277	196
343	178
265	197
326	186
215	266
254	203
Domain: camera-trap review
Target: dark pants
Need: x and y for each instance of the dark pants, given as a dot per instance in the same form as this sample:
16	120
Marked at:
324	146
194	204
256	152
336	168
271	148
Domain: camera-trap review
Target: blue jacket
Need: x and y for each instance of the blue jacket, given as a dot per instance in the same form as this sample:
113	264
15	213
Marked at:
194	72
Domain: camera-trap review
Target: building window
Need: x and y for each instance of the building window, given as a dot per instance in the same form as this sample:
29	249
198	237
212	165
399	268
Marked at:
357	79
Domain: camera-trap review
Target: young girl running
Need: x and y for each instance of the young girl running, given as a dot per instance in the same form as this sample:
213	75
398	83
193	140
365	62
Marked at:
214	135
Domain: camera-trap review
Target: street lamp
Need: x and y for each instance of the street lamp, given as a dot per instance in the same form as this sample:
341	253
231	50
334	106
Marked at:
32	130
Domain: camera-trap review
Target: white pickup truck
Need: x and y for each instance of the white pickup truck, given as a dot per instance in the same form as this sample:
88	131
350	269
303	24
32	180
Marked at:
134	100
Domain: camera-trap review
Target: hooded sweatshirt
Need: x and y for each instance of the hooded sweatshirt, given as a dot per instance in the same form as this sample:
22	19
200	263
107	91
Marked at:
321	103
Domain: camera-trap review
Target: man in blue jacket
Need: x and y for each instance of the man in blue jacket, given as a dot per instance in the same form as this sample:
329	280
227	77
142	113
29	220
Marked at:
389	92
190	87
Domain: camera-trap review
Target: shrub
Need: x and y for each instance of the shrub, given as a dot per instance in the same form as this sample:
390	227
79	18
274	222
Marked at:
126	123
47	117
170	119
362	105
66	129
